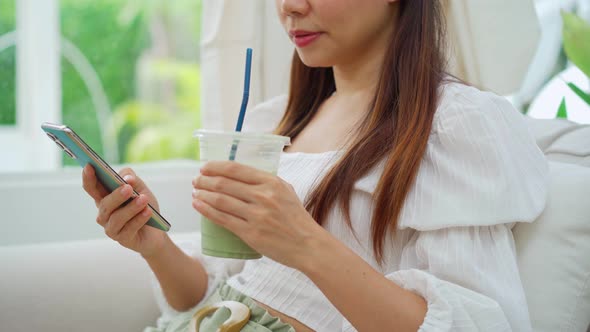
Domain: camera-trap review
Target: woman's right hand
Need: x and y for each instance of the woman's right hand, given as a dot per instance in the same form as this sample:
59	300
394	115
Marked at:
125	224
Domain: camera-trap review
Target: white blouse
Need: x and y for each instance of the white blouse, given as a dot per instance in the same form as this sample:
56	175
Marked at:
481	173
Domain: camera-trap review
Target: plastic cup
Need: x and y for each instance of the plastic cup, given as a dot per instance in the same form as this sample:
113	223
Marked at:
262	151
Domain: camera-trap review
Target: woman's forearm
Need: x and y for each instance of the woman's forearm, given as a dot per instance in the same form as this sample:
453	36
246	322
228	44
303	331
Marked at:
183	278
368	300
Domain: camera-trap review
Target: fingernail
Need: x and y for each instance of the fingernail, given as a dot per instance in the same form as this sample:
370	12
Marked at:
127	178
126	190
146	212
140	200
195	192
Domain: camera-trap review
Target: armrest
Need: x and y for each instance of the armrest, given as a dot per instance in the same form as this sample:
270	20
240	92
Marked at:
94	285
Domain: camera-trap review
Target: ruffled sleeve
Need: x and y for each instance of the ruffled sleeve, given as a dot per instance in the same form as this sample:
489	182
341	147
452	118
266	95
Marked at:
482	173
481	167
469	278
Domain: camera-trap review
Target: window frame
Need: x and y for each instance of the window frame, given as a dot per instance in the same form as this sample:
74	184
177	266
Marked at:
38	89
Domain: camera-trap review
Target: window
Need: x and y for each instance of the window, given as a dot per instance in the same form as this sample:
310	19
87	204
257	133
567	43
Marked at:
7	63
130	76
126	77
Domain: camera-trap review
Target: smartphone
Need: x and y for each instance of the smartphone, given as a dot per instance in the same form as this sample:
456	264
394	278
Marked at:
78	150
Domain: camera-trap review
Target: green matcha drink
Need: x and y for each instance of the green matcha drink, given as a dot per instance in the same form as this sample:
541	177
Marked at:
262	151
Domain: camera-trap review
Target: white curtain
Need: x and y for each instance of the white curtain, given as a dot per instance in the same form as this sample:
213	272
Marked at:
492	44
229	27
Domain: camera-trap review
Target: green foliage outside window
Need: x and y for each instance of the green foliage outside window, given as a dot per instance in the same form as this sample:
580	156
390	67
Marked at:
123	41
7	66
112	47
145	54
153	132
576	43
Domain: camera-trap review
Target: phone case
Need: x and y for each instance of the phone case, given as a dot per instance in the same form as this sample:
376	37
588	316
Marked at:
77	149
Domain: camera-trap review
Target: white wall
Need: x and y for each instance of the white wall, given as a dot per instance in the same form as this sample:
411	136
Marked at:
52	206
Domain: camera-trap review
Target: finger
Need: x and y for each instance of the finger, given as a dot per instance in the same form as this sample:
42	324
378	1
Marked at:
123	215
133	226
113	201
91	184
236	171
224	203
233	224
223	185
101	221
135	181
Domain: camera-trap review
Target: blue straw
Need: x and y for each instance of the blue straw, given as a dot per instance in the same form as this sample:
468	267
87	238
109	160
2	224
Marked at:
246	90
245	96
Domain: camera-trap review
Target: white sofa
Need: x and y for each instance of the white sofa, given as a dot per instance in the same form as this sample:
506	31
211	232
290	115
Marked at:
51	280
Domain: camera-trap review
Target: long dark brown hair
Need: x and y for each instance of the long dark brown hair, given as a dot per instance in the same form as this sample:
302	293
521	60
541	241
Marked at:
396	127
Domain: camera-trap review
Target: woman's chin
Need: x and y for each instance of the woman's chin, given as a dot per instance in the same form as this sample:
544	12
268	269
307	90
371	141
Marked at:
315	59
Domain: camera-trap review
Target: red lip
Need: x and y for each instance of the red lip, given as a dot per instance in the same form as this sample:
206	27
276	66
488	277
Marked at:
302	38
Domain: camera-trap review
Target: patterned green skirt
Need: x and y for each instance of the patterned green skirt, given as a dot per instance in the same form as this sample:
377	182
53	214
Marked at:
260	320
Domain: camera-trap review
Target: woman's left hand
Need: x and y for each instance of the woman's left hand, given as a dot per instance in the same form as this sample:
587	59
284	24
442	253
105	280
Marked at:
260	208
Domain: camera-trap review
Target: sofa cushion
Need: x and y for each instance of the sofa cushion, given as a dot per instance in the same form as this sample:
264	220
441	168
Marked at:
546	131
562	140
554	253
573	147
90	286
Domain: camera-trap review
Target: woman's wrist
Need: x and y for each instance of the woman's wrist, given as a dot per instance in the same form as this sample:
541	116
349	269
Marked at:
318	251
183	279
161	251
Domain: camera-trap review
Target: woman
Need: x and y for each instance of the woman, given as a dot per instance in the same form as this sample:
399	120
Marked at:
392	209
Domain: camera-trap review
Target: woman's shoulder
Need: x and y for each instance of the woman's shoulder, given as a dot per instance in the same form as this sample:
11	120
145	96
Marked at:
458	100
265	116
481	122
481	167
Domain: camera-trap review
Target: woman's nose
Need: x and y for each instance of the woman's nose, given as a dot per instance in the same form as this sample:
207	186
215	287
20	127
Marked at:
294	8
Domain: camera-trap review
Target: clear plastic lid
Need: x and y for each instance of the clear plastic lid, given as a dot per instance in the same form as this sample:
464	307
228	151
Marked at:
206	134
